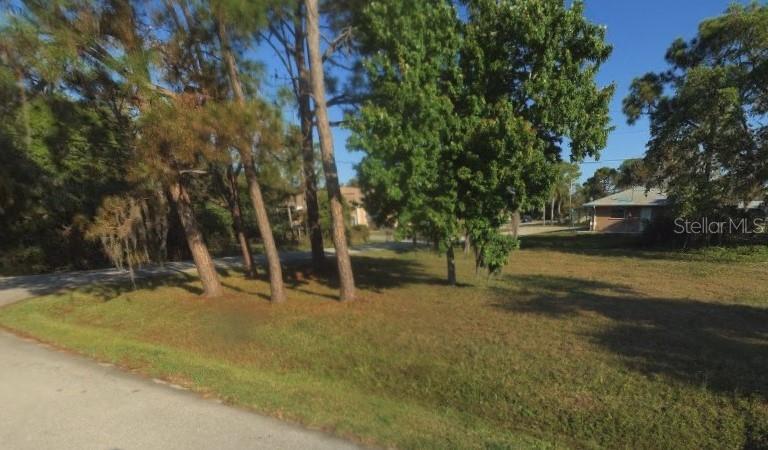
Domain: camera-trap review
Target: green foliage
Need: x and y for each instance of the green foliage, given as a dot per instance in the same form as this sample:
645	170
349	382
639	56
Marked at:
603	182
632	172
708	112
458	129
128	91
491	247
52	148
359	234
407	127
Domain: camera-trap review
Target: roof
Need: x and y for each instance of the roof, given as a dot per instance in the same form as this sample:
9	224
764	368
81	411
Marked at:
636	196
352	194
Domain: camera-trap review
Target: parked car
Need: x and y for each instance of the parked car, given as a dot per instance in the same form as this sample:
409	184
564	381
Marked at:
527	218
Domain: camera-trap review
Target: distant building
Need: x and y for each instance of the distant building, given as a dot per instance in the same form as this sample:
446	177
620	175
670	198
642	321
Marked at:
628	211
353	197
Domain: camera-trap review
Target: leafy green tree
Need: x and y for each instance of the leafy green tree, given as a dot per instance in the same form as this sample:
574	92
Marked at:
709	113
601	183
407	125
529	84
632	172
561	189
458	129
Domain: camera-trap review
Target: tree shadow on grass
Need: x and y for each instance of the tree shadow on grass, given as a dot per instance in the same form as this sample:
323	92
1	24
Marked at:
374	273
371	273
721	347
108	290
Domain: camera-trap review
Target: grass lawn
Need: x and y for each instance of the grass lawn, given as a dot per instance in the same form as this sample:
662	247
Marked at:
580	343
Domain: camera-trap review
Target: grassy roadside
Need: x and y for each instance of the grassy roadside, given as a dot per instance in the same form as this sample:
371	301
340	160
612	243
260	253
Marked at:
574	346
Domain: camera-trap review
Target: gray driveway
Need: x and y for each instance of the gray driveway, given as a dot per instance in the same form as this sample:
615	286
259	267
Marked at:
55	400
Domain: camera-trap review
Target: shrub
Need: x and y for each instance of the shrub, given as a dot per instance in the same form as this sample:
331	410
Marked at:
358	234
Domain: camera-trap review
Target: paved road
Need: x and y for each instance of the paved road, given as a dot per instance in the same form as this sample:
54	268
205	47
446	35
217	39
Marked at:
55	400
530	229
13	289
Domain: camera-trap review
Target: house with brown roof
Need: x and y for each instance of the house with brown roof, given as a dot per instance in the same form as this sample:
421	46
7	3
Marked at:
628	211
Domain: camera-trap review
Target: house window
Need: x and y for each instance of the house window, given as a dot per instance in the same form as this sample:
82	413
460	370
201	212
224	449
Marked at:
617	213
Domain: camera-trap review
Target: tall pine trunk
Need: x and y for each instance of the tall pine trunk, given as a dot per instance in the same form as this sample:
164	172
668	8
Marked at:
233	198
265	229
307	150
262	219
317	78
203	261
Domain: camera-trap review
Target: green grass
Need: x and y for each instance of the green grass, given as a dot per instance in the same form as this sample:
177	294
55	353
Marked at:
579	344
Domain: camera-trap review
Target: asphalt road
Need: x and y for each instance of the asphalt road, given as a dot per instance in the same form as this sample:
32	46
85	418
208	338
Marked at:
55	400
13	289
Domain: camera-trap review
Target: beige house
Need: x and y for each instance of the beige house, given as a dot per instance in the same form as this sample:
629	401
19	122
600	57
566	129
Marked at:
353	197
628	211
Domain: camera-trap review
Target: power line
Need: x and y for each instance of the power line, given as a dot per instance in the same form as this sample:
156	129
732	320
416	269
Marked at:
610	160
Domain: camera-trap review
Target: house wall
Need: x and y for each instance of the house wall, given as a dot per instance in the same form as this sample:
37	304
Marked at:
359	215
630	223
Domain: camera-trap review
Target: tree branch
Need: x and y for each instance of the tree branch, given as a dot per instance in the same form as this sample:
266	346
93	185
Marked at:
344	36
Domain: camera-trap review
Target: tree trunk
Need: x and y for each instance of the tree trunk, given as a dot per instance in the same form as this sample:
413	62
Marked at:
315	231
237	223
552	211
203	261
544	213
317	78
262	219
467	244
516	223
451	262
265	229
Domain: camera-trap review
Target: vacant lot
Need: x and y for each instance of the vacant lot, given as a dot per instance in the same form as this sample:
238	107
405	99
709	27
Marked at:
584	341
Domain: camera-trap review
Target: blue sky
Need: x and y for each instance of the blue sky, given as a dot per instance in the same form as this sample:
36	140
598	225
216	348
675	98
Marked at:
640	32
